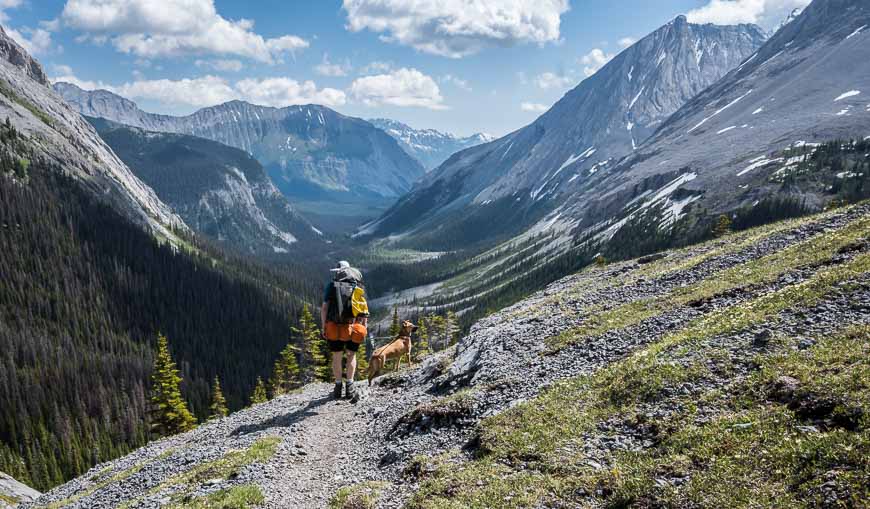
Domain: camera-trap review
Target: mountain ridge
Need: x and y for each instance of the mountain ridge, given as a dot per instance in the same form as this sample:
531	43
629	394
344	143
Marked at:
429	146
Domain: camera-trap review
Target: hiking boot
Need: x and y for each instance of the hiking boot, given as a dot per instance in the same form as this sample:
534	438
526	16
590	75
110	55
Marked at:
350	390
336	392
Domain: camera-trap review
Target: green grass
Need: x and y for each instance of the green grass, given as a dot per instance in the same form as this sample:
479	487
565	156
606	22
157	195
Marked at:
760	271
359	496
9	499
237	497
746	451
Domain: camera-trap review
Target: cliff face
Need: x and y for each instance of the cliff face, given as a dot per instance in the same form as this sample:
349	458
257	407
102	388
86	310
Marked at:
13	493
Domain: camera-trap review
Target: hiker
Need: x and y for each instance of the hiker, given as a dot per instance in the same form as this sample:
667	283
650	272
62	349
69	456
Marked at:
343	317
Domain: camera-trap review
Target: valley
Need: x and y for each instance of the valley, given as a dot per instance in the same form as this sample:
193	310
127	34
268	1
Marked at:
654	292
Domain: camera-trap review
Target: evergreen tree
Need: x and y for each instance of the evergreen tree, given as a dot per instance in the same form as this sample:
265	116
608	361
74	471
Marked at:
170	414
362	365
723	226
395	327
259	395
451	328
218	402
286	372
316	358
422	347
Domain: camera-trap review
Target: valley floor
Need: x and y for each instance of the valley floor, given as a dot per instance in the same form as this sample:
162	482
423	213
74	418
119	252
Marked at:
725	374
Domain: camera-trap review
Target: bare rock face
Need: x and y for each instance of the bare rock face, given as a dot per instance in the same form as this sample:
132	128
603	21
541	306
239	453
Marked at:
11	52
594	125
309	151
61	135
15	492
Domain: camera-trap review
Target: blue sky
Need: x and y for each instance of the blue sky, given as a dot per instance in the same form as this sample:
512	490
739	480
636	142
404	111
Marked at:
456	65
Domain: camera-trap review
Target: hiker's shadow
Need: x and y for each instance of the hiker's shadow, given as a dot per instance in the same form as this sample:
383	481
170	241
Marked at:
283	421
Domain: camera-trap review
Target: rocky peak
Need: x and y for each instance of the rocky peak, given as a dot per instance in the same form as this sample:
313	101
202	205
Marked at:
13	53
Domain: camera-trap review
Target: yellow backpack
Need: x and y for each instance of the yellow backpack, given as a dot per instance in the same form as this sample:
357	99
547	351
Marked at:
358	305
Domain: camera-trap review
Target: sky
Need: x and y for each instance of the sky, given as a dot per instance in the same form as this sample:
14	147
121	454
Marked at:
460	66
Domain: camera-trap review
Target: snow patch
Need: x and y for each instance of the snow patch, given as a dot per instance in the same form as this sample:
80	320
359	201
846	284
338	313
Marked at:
851	93
759	110
758	164
856	32
720	110
630	72
630	106
723	131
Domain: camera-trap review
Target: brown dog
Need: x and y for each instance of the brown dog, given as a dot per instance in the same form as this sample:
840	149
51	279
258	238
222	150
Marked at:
400	347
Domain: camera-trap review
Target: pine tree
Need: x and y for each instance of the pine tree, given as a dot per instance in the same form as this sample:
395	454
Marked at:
395	327
362	365
451	328
218	402
259	395
286	372
422	347
316	359
723	226
170	414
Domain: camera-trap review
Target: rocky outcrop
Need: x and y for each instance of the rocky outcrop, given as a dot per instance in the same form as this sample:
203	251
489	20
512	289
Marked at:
11	52
13	493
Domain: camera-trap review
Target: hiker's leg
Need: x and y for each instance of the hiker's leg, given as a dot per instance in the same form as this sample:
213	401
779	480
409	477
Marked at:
336	366
351	363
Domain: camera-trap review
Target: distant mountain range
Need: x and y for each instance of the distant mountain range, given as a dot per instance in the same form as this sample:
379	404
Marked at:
429	146
220	191
311	152
506	185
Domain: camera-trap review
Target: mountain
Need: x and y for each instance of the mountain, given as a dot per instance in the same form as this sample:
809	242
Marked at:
503	186
429	146
13	492
312	153
35	110
219	191
757	134
727	374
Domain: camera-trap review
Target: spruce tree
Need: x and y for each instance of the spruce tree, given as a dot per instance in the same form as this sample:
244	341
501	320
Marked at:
218	402
286	372
723	226
169	412
395	327
451	328
422	347
316	359
259	395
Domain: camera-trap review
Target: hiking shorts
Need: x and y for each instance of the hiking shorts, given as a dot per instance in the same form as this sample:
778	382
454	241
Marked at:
340	346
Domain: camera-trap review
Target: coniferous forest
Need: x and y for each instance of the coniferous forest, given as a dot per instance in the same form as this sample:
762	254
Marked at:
83	296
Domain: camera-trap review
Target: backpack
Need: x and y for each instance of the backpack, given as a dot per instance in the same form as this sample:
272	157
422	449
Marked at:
348	300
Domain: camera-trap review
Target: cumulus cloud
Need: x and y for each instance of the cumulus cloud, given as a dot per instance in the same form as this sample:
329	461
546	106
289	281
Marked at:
157	28
549	80
626	42
457	28
327	68
767	13
211	90
376	67
37	41
7	4
594	60
533	107
224	65
402	87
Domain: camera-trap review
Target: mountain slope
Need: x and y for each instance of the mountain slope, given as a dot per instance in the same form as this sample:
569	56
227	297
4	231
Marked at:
311	152
428	146
219	191
510	182
750	136
63	136
722	373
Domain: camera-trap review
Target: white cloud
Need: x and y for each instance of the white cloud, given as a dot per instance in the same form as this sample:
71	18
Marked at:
626	42
456	81
155	28
533	107
767	13
7	4
211	90
327	68
549	80
457	28
36	41
402	87
594	60
225	65
376	67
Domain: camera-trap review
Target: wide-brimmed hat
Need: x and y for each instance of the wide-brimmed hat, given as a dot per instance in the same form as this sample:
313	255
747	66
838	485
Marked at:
340	266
